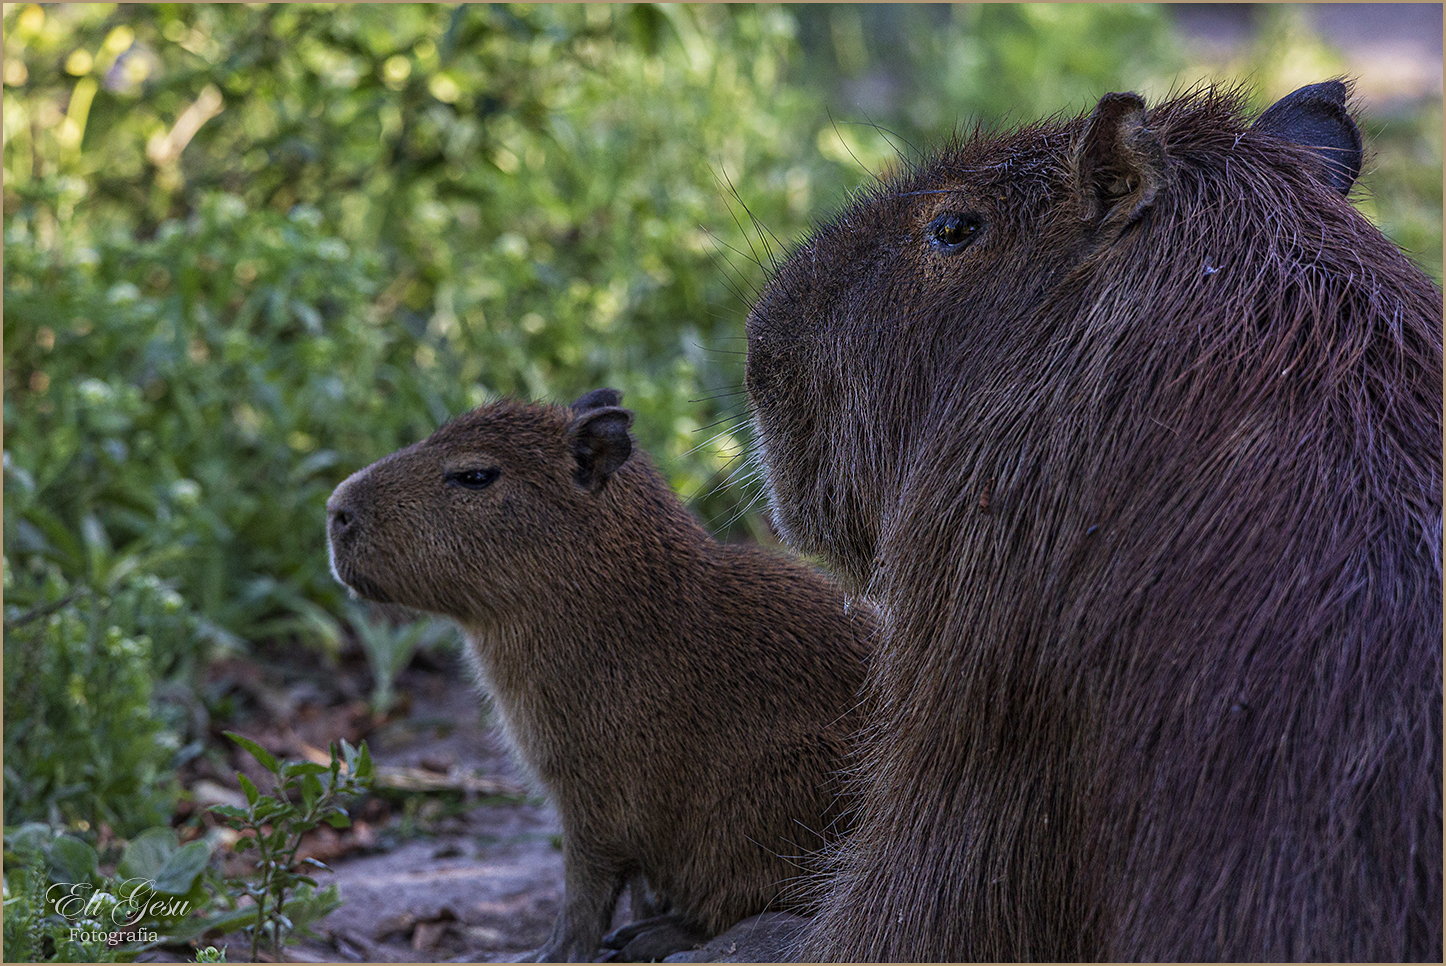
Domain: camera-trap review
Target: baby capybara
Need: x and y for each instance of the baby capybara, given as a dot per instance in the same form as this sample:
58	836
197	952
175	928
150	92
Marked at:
684	703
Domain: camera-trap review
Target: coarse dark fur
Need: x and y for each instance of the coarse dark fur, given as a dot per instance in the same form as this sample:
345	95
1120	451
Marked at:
1131	425
684	703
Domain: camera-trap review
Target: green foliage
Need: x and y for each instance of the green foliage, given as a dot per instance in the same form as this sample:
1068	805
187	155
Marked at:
59	907
83	742
944	67
283	898
36	933
194	418
211	955
1402	184
157	858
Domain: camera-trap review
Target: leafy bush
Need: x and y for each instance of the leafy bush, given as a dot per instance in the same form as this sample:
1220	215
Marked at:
195	415
36	933
61	907
923	70
83	742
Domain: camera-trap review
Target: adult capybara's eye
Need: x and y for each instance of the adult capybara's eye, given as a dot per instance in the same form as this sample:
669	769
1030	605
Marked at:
954	231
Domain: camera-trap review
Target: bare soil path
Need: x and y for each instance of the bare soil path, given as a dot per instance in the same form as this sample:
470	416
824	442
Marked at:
456	877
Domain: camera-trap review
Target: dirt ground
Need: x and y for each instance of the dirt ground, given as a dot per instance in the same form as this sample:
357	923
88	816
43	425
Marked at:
457	876
451	858
479	884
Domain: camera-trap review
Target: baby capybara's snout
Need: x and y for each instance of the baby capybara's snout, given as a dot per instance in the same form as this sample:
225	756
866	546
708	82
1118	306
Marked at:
346	515
342	509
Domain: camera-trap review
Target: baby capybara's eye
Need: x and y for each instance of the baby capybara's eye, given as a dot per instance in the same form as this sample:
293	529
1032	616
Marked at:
954	231
474	479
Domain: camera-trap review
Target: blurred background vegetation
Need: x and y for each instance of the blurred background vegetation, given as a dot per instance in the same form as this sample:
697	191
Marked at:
250	249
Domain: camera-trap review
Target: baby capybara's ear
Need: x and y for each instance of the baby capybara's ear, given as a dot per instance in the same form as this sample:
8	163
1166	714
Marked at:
600	443
598	398
1316	117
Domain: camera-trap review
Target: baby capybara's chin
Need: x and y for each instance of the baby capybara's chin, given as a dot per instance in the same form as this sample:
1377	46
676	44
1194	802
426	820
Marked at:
363	586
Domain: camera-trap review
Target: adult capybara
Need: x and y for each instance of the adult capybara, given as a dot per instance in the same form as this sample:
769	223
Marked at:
1131	424
684	703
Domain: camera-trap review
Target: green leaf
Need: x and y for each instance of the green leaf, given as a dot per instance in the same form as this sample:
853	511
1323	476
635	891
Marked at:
364	763
267	759
219	923
71	860
147	854
30	837
307	906
294	768
234	812
268	807
338	820
183	868
248	788
311	790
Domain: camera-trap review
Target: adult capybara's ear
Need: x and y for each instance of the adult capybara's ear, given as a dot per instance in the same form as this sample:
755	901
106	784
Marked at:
1119	163
600	444
598	398
1316	117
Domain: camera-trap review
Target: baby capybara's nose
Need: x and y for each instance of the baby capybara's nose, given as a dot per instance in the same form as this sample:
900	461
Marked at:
341	508
340	519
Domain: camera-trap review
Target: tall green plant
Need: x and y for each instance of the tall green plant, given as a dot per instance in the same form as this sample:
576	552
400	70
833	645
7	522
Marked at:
272	824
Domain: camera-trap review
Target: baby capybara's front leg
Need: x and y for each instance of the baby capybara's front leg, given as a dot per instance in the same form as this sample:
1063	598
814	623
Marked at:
591	886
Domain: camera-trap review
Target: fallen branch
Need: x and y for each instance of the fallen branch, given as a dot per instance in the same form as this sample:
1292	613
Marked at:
456	779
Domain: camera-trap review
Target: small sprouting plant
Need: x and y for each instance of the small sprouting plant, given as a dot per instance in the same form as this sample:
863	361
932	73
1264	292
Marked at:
211	955
273	825
389	649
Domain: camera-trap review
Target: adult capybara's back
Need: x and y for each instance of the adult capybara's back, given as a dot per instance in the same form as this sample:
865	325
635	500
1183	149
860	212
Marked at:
1132	425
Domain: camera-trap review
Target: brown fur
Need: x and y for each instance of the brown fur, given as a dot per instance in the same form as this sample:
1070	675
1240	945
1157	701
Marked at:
684	703
1146	479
